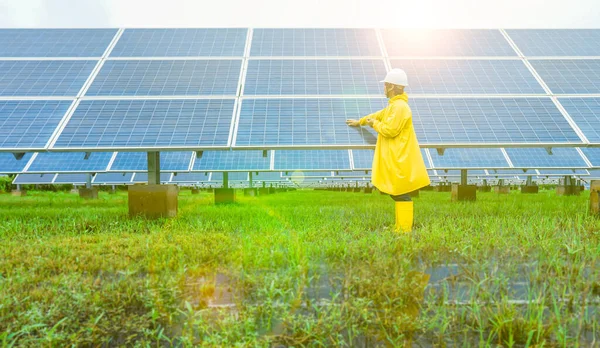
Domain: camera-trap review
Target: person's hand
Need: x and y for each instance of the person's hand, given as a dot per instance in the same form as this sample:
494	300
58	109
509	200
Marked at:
353	123
370	121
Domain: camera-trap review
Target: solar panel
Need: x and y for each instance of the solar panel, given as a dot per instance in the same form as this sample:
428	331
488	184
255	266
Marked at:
363	159
539	158
594	173
210	42
563	172
55	42
167	78
50	78
190	178
456	173
446	43
311	159
586	114
437	76
70	179
592	154
29	123
9	164
24	179
143	177
490	120
148	123
267	176
314	42
232	176
112	178
307	174
577	76
233	160
504	172
272	122
137	161
70	162
469	158
557	42
325	77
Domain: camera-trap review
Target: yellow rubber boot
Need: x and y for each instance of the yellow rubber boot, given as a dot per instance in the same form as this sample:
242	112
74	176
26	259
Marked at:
404	216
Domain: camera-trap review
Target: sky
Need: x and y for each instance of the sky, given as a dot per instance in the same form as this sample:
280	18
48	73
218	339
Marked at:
301	13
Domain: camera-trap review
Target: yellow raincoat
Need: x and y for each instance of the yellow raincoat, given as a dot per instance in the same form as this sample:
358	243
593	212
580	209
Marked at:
398	166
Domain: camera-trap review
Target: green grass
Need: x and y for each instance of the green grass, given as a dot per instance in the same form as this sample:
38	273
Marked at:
301	268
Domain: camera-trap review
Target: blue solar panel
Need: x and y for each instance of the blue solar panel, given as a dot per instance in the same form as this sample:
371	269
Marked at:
28	123
269	122
136	161
9	164
504	172
167	78
557	42
55	42
314	42
456	173
71	179
594	173
113	178
231	176
233	160
469	158
288	77
143	177
363	159
563	172
577	76
307	174
586	114
267	176
70	162
50	78
436	76
592	154
446	43
190	177
352	174
23	179
148	123
312	159
181	43
490	120
539	158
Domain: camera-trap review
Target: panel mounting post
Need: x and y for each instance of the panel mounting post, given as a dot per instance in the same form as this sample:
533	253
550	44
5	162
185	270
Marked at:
88	181
529	181
463	177
225	180
250	179
154	168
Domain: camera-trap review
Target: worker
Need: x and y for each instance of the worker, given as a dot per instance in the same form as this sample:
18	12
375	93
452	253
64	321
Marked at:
398	167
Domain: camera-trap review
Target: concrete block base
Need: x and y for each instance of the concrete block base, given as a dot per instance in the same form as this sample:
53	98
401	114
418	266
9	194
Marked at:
272	190
224	195
530	189
595	197
486	188
153	201
19	193
251	192
195	191
572	190
263	191
357	189
88	193
503	190
368	190
464	192
75	191
443	188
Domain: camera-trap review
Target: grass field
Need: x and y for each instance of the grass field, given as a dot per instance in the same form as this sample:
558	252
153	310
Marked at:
304	268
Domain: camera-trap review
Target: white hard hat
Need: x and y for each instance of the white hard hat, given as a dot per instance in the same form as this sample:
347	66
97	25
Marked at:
396	77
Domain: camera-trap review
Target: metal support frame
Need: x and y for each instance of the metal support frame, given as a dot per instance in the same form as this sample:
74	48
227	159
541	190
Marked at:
225	180
154	168
463	177
88	181
250	179
529	181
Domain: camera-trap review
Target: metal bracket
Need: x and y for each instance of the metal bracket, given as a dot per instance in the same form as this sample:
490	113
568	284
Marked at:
87	155
265	153
199	154
549	150
440	151
18	155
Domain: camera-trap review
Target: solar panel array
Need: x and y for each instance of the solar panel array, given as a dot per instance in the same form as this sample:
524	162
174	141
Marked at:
288	89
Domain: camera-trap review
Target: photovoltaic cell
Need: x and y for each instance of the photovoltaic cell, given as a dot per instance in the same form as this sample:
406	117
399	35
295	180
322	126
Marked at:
314	42
23	179
469	158
306	174
210	42
9	164
363	159
136	161
70	162
29	123
563	172
233	160
592	154
586	114
539	158
557	42
55	42
143	177
70	179
267	176
271	122
594	173
456	173
564	76
231	176
312	159
148	123
327	77
49	78
446	43
112	178
167	78
190	178
437	76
